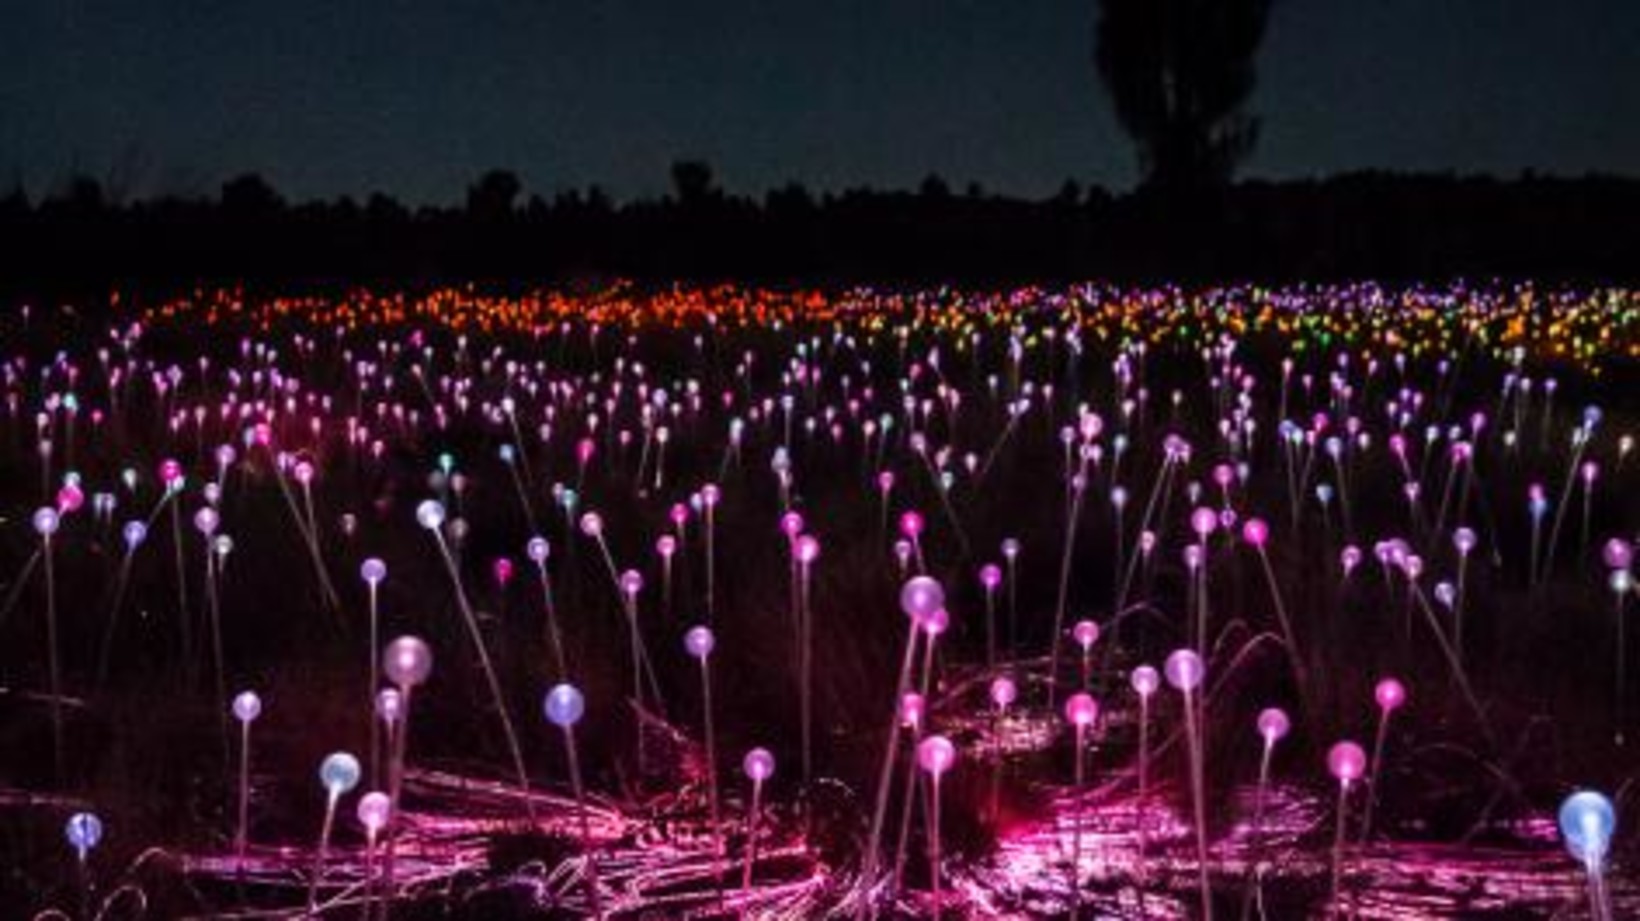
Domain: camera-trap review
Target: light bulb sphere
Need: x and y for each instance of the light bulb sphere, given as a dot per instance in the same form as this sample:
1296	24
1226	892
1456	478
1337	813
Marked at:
1617	553
1004	692
912	708
1086	633
564	705
373	571
247	706
666	545
339	773
699	642
1256	532
936	754
1273	725
430	514
1347	762
1621	581
134	533
806	548
1390	695
631	582
911	524
1081	710
1010	549
791	525
407	661
84	831
1203	520
538	549
374	809
758	765
920	597
1587	821
1145	680
46	520
936	622
389	705
1184	670
990	576
592	525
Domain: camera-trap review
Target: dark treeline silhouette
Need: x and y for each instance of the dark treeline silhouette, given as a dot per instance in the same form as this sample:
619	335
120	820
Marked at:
1388	226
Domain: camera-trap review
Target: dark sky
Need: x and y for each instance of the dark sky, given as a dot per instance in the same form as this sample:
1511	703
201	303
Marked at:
415	97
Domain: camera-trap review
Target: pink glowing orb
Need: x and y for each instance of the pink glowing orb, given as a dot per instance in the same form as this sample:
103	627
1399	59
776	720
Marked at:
710	495
1086	633
1003	692
936	754
389	705
592	525
1390	695
885	480
1349	558
502	569
1184	670
374	809
699	642
1081	710
791	525
1010	549
758	765
407	662
806	548
911	524
1203	520
990	576
679	514
1617	553
69	499
170	471
920	597
1193	556
935	622
666	545
538	549
373	571
1347	762
247	706
1273	725
912	708
1145	680
1255	532
631	583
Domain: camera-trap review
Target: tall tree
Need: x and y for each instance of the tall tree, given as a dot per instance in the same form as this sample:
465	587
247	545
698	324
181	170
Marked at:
1178	72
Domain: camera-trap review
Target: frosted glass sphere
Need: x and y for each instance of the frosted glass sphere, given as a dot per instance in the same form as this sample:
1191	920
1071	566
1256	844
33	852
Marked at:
339	773
564	705
758	764
699	641
1587	821
1273	725
936	754
247	706
407	661
1184	670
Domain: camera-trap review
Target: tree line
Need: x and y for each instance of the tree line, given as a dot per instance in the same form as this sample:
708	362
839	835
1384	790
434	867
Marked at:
1379	225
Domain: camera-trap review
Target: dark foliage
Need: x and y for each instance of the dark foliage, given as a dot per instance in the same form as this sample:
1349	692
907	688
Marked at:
81	240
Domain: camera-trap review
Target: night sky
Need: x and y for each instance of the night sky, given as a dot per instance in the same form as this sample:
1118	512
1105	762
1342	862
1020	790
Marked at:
416	97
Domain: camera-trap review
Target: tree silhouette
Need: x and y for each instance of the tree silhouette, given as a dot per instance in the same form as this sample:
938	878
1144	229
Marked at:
493	196
1178	72
693	182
